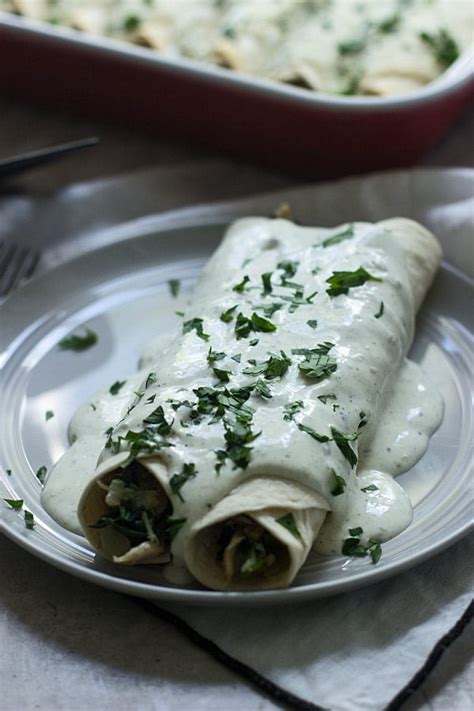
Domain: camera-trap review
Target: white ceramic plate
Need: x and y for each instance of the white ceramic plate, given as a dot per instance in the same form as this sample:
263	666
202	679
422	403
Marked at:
120	290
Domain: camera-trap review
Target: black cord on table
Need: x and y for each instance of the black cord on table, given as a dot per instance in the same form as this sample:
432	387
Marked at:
264	685
433	658
277	693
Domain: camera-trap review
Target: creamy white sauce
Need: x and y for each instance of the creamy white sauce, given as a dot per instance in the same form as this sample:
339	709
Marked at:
372	376
333	46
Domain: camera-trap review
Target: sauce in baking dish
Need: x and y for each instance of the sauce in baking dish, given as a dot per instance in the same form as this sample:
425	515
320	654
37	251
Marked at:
345	47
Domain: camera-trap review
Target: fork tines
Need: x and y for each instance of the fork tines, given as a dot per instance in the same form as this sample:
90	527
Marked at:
17	263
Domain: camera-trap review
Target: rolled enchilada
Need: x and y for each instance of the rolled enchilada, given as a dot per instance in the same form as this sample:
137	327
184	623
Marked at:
240	449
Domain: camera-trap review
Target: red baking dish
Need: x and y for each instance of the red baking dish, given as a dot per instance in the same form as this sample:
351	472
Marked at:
300	131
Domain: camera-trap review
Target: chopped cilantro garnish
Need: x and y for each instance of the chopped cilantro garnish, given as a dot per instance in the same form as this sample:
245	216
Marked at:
131	23
312	433
243	326
316	367
174	287
241	286
177	481
259	323
288	522
29	519
262	389
238	436
380	311
267	282
15	504
116	387
371	487
339	484
363	420
41	474
342	440
389	25
274	367
312	323
289	268
237	357
227	316
79	343
269	309
222	375
195	324
9	472
351	46
339	237
48	415
151	380
158	421
253	342
353	547
325	398
212	355
443	45
292	409
341	282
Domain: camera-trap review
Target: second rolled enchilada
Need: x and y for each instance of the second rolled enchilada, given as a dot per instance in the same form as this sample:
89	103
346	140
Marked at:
241	449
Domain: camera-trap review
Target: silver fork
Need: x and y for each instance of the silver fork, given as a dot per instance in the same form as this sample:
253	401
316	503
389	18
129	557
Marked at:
17	264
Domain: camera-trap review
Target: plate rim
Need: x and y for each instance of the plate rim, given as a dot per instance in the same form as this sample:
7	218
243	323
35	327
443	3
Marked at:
307	591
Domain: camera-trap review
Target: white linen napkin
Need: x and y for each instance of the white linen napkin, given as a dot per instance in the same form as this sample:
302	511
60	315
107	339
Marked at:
355	651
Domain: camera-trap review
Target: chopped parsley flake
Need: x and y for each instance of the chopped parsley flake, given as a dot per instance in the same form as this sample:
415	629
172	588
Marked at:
212	355
288	522
267	282
289	268
195	324
222	375
350	47
353	547
158	421
443	45
227	316
174	287
262	389
389	25
29	520
312	323
274	367
317	363
41	474
371	487
292	409
325	398
131	23
238	436
177	481
259	323
237	357
380	311
9	472
342	440
339	484
240	288
48	415
243	326
116	387
312	433
151	380
15	504
79	343
339	237
341	282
